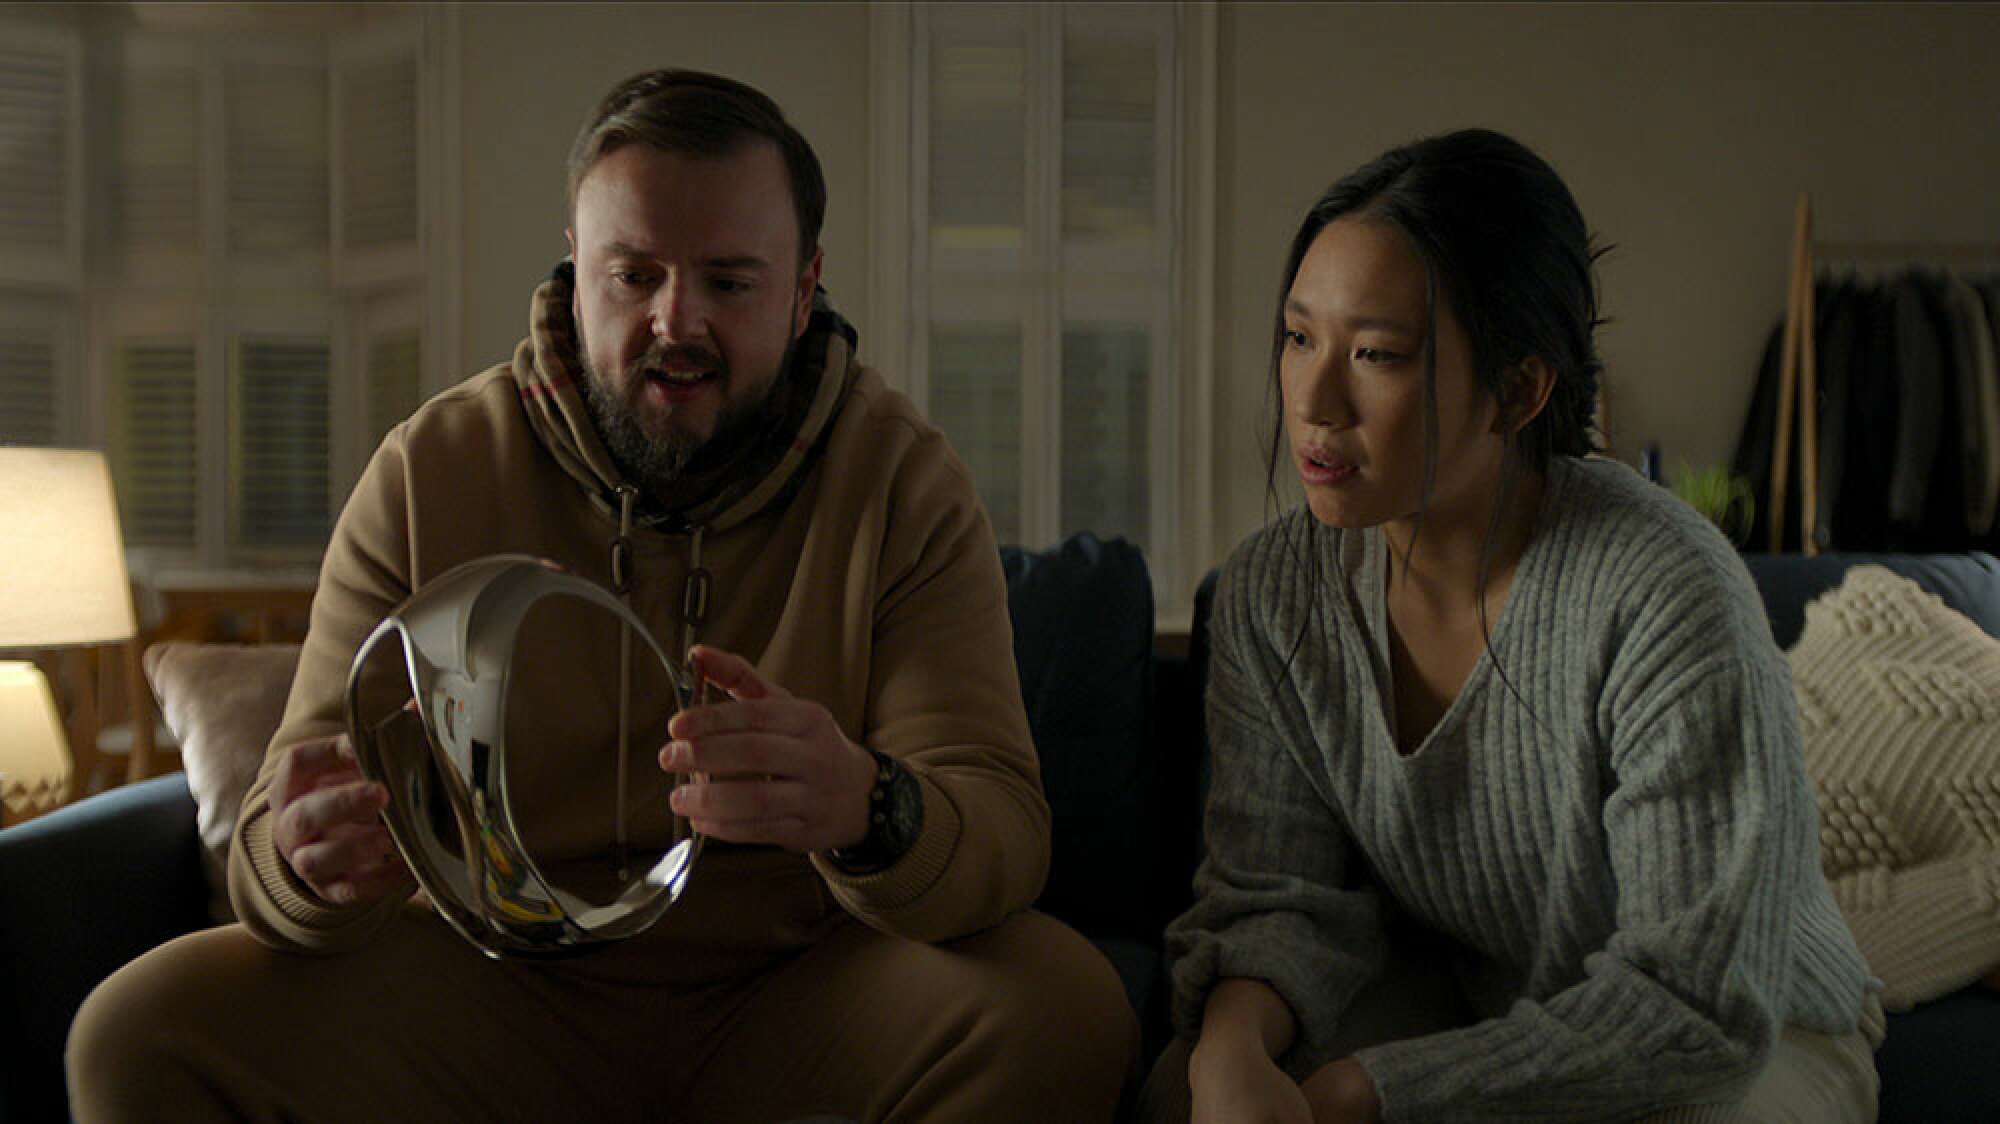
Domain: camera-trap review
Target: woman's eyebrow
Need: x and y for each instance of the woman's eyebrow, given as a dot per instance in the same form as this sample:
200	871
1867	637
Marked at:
1296	307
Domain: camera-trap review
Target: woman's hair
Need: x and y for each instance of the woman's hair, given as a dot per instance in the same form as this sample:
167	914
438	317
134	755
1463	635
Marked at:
1503	243
698	114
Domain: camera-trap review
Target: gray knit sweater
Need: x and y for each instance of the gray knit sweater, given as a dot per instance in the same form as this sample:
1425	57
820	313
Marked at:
1625	851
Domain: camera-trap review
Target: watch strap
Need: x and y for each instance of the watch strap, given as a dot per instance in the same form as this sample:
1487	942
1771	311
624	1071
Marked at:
895	818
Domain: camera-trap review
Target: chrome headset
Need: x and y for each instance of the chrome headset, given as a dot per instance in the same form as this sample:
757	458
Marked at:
438	742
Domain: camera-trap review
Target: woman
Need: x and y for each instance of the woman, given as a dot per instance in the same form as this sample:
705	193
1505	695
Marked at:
1509	820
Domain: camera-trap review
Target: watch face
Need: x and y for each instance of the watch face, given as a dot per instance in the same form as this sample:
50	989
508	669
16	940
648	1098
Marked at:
895	818
904	817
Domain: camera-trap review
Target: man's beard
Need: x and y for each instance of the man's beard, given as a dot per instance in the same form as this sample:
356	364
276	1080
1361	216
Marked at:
658	465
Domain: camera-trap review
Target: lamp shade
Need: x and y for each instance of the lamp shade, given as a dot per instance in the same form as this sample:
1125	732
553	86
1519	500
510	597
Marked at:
34	758
62	559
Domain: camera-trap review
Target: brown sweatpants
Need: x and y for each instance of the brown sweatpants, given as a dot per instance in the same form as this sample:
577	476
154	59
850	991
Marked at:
1022	1022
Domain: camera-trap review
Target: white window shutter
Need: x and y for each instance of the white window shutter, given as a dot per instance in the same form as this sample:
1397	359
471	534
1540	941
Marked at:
1114	419
978	130
1106	429
979	216
153	439
29	354
975	397
155	191
275	218
279	456
41	155
1046	148
376	165
1110	76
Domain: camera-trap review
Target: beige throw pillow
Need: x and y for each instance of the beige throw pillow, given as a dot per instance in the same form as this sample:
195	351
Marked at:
224	702
1899	706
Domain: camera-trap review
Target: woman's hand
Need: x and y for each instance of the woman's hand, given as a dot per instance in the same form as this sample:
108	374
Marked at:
1341	1092
1232	1081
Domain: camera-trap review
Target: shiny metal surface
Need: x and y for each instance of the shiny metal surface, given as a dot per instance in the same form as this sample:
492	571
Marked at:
427	712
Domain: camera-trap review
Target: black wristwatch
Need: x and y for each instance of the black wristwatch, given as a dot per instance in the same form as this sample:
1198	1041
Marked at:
895	818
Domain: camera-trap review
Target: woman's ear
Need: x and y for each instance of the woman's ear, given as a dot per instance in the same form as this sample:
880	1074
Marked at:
1524	391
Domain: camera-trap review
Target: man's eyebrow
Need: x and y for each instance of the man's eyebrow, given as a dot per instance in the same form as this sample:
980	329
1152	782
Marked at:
737	261
618	249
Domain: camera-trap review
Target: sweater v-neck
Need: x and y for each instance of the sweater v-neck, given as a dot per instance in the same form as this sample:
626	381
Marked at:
1364	560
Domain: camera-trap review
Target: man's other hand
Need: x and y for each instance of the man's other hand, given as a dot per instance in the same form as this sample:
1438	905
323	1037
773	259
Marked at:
326	820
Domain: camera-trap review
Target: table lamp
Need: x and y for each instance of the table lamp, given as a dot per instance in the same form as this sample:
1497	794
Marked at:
62	584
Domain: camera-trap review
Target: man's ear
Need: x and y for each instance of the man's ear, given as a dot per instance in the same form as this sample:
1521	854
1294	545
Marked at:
802	304
1524	391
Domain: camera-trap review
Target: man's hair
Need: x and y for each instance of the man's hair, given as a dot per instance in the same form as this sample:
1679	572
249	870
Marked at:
688	111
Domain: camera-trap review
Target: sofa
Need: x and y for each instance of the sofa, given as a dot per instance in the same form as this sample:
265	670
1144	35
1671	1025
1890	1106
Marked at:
1117	720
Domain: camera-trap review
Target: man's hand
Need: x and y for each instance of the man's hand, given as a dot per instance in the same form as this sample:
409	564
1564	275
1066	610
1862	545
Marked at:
765	767
1341	1092
326	820
1234	1082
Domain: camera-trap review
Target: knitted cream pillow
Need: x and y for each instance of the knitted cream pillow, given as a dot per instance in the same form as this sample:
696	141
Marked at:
1899	705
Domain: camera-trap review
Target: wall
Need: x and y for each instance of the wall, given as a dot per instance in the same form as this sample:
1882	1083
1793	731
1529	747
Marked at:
1686	132
532	72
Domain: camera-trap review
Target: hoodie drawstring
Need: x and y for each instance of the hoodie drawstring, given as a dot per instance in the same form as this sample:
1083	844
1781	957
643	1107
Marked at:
694	611
621	584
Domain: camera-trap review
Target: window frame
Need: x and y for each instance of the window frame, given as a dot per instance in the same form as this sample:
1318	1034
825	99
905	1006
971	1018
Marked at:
904	296
34	270
105	293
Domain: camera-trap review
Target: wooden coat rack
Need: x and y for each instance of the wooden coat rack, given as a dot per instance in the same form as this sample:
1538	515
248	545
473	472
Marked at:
1798	374
1798	387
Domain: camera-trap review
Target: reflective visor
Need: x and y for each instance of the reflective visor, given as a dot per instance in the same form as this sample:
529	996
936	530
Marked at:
433	713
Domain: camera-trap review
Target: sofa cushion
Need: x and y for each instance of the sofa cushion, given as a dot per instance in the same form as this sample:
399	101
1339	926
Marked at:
1937	1062
223	702
1899	709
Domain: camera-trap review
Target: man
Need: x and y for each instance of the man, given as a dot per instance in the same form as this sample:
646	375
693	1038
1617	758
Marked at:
686	423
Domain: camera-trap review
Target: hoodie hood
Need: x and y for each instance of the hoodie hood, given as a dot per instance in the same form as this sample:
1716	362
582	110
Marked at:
548	371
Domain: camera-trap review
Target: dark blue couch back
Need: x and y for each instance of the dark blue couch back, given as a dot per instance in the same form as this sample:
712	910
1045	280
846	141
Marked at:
1083	644
1969	583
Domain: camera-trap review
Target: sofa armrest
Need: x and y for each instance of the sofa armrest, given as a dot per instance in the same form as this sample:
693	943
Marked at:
83	890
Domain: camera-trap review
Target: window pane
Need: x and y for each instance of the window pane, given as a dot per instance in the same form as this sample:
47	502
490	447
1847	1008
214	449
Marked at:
978	143
35	112
153	441
975	397
1104	431
153	201
278	443
27	384
275	121
1107	139
379	160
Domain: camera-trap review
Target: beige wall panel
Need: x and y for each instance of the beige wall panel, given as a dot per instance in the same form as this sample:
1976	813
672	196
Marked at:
1686	132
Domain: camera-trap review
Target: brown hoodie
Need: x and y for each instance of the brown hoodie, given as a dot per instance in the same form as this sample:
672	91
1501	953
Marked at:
852	564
